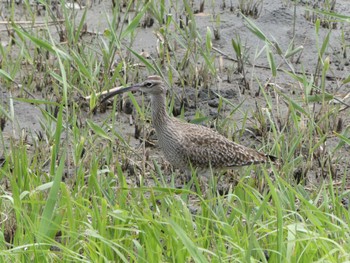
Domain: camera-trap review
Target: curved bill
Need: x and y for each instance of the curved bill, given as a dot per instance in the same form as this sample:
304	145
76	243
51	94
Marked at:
119	91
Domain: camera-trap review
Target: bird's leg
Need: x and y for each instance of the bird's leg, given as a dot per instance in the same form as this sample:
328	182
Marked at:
207	183
204	185
183	179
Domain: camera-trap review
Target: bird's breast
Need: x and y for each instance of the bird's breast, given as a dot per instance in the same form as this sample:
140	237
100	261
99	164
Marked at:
171	144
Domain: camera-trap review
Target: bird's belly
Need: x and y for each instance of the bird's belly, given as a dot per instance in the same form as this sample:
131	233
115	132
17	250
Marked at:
172	151
176	160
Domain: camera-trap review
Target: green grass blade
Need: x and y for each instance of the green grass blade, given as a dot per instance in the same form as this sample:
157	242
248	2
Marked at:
135	22
5	75
145	62
98	130
346	80
343	138
271	61
188	243
255	29
46	222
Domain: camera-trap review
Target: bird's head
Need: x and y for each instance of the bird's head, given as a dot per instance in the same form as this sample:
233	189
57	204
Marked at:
153	85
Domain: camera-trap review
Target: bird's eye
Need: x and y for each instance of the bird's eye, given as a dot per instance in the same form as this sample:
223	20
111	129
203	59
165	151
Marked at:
148	84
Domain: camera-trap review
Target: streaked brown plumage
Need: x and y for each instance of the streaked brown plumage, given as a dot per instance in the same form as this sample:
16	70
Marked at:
184	143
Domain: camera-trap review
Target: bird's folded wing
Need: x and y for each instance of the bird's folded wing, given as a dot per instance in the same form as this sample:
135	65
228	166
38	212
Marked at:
202	146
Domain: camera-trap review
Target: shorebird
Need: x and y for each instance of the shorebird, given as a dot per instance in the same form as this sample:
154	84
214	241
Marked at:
188	145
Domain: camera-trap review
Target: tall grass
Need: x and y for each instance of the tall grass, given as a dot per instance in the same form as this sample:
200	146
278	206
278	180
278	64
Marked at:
68	193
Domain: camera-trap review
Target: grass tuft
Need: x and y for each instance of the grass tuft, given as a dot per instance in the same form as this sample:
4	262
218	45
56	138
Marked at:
88	185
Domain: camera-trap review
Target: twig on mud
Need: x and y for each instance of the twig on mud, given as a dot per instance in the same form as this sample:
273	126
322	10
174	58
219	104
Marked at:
24	89
35	25
225	55
279	69
26	22
93	33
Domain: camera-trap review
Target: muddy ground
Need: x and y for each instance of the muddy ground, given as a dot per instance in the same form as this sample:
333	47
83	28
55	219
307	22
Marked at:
275	20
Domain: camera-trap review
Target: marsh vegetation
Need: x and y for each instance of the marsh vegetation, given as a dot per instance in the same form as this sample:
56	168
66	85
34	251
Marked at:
85	182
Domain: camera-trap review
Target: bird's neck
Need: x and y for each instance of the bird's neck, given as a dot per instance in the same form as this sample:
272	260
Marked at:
160	116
